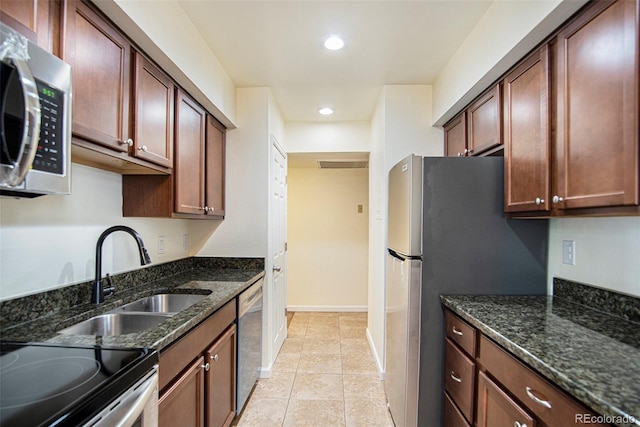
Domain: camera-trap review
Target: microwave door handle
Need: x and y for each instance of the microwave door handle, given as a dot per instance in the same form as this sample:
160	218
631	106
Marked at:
31	134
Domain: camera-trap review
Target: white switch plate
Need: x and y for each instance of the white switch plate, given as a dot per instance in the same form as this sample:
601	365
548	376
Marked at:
160	245
185	242
569	252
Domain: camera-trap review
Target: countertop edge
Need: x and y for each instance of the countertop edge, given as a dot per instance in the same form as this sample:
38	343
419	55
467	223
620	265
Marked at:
548	372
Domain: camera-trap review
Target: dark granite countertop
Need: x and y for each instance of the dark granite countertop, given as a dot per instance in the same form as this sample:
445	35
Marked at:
594	356
219	283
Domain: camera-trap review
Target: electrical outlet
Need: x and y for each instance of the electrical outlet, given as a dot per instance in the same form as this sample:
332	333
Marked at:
360	208
569	252
185	242
160	245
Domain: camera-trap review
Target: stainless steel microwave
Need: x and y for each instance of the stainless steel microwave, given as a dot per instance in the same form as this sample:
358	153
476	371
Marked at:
35	119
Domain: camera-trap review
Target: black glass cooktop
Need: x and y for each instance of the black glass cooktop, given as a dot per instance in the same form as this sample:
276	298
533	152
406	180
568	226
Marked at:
44	385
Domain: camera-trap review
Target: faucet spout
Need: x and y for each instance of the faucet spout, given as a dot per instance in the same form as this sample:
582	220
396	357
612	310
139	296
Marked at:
99	292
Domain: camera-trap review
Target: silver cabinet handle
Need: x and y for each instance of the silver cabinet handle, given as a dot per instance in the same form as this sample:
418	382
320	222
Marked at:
459	154
128	142
214	357
456	331
536	399
455	377
277	268
557	199
519	424
539	201
143	148
467	151
206	366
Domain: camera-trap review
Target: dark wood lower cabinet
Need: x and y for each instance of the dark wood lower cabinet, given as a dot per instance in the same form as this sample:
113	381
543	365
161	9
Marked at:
491	388
183	403
221	380
198	374
497	409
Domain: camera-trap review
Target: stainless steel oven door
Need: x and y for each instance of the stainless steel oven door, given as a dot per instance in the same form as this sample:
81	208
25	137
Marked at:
137	406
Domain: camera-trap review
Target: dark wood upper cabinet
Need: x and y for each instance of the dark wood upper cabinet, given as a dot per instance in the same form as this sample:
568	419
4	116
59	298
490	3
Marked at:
215	168
189	176
596	144
153	114
484	122
37	20
527	135
455	136
100	58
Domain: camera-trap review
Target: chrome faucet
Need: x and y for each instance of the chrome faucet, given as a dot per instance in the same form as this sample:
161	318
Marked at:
99	291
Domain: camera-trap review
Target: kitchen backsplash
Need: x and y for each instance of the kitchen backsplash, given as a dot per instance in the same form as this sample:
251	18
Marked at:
617	304
19	310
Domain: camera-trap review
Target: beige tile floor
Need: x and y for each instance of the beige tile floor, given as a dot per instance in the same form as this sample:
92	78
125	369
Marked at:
324	376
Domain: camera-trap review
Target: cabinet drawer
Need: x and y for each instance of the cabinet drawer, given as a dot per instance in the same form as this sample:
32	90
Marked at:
548	403
496	408
178	355
451	415
461	333
459	378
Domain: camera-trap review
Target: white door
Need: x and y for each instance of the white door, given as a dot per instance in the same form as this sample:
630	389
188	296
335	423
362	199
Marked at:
278	227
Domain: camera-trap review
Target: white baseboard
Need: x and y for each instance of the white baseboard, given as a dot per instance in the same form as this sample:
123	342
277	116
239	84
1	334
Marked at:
376	357
328	308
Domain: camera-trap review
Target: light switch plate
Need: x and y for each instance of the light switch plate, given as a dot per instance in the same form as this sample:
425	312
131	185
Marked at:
569	252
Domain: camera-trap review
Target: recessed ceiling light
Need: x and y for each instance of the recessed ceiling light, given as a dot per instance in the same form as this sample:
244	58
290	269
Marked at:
325	111
334	43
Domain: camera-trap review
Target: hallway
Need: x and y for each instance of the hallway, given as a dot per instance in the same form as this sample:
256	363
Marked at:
324	376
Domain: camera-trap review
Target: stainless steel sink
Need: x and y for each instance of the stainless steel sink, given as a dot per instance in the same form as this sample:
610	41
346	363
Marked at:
110	324
162	303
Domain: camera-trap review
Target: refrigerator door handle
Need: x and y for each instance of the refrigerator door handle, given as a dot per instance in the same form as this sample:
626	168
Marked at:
396	255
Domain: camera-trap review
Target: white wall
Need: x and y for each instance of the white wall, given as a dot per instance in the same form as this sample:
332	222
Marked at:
504	34
401	125
50	241
328	239
607	252
163	30
327	137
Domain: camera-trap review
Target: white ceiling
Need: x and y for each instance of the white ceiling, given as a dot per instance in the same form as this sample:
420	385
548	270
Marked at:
279	44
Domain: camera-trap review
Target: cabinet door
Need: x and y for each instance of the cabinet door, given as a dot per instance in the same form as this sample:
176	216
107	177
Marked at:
215	152
497	409
153	118
38	20
189	152
221	380
183	403
455	136
484	122
101	60
597	108
527	135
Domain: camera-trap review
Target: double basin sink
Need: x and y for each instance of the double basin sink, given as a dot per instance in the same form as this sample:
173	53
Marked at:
135	316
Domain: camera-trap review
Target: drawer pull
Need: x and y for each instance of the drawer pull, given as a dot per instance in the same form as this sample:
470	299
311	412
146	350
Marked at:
536	399
206	366
519	424
455	377
456	331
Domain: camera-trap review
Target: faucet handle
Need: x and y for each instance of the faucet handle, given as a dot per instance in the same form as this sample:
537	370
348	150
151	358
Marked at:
110	288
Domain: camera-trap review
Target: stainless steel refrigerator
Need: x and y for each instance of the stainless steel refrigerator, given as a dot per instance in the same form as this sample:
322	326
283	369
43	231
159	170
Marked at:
447	234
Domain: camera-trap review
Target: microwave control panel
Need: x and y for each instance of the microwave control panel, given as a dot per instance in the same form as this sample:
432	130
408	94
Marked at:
50	153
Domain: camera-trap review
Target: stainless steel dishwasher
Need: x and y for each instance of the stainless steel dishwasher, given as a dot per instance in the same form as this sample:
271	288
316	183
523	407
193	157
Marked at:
249	342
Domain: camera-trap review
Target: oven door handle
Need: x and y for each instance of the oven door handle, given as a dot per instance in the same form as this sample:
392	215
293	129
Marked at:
14	174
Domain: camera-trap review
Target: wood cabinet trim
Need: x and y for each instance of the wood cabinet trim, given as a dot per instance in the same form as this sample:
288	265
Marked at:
478	147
